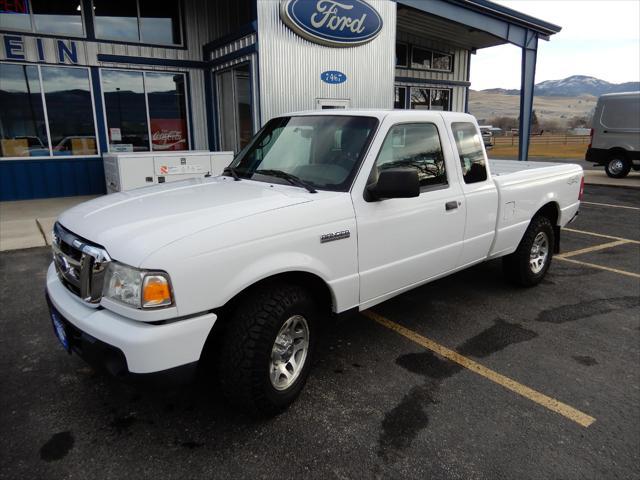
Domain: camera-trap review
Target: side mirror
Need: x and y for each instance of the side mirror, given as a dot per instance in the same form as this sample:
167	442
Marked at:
395	183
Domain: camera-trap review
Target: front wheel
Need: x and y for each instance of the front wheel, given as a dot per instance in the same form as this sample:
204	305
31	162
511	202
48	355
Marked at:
617	166
528	265
266	353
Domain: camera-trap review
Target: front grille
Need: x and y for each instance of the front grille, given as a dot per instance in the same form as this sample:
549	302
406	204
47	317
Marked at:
81	265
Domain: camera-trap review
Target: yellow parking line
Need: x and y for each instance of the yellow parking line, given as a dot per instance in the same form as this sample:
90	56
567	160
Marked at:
593	234
600	267
550	403
595	248
609	205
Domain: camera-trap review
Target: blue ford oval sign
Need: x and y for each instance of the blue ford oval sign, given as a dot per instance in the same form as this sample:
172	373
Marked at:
333	76
335	23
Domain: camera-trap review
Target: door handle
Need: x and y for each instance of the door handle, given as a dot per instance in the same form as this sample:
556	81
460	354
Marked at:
451	205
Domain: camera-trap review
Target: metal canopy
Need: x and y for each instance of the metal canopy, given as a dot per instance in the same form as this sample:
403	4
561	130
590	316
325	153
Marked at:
475	24
454	34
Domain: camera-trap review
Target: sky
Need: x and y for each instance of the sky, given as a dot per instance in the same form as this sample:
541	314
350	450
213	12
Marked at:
599	38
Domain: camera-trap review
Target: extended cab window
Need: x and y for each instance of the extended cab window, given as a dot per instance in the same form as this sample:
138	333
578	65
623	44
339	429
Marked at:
470	151
415	145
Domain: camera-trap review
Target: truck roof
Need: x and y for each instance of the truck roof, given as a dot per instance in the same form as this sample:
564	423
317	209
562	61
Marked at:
383	113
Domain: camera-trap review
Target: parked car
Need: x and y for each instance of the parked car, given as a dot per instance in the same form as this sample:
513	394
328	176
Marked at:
615	135
324	212
487	136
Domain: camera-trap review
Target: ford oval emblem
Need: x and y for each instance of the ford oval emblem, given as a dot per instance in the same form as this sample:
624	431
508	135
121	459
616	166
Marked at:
334	23
333	76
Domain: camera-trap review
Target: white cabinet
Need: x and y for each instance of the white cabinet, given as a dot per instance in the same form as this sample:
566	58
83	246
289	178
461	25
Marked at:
127	170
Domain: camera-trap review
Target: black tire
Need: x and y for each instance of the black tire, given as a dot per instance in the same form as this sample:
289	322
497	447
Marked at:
517	266
617	166
245	356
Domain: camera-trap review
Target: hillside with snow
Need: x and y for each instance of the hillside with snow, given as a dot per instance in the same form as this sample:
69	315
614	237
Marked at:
574	86
577	85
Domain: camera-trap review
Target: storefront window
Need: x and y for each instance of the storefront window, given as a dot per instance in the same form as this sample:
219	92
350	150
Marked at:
61	17
441	61
440	99
67	106
23	132
167	111
55	17
67	94
126	110
424	59
116	20
420	98
401	54
127	113
15	15
160	22
420	58
145	21
401	95
430	98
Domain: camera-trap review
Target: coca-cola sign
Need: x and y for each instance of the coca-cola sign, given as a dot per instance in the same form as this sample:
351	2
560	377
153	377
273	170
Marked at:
168	134
335	23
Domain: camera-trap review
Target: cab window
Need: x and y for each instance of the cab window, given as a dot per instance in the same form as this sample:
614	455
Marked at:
470	151
415	145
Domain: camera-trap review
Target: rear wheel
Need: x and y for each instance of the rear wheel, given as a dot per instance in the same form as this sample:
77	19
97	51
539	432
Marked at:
617	166
266	354
528	265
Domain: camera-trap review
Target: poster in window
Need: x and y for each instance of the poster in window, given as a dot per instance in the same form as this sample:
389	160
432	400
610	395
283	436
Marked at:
168	134
116	134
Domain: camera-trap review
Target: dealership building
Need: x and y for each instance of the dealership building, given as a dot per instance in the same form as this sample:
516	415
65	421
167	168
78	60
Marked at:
80	78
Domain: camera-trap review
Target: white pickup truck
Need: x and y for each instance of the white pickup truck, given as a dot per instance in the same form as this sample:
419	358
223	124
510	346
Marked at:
323	212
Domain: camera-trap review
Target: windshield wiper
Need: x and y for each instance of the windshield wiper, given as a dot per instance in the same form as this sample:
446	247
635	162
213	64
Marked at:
233	172
289	177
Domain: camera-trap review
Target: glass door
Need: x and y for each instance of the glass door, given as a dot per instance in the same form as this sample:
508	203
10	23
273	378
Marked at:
235	116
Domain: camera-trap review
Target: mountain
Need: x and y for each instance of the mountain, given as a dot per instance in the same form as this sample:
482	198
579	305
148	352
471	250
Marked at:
582	85
573	86
502	91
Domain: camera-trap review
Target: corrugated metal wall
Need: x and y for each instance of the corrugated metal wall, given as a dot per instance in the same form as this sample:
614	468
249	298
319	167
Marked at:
25	179
290	66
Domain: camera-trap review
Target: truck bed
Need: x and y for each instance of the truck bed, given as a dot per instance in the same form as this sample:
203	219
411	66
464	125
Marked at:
524	187
508	167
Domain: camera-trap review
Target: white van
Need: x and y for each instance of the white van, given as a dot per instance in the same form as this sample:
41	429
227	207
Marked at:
615	136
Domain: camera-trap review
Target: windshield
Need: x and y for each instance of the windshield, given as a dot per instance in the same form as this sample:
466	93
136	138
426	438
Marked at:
322	151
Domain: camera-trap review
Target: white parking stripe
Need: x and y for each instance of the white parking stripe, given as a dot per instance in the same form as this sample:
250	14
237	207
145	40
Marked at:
609	205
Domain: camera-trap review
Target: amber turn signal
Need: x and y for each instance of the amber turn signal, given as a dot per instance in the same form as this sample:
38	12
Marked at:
156	291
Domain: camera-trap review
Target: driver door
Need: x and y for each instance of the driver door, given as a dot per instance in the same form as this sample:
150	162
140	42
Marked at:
403	242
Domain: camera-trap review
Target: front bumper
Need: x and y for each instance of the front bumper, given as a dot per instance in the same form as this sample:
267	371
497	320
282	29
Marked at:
126	347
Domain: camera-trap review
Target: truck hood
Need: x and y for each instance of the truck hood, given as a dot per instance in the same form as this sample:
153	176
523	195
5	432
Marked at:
132	225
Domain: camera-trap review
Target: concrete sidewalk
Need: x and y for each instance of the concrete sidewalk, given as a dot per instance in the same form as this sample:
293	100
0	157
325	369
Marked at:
599	177
28	223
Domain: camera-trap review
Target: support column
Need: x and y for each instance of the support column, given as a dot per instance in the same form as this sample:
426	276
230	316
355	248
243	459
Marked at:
527	83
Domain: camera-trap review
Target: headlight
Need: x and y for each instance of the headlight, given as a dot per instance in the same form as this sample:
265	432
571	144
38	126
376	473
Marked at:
138	288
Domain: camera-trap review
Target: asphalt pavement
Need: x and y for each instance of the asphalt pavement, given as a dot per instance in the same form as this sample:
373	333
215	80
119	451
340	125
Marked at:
464	378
